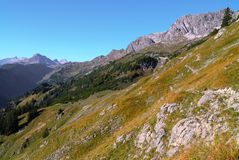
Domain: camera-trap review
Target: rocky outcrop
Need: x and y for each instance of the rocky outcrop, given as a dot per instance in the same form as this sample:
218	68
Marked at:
152	137
186	28
190	129
139	44
211	115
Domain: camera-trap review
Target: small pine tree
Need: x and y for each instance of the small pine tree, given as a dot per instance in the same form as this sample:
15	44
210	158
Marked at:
32	114
10	123
227	18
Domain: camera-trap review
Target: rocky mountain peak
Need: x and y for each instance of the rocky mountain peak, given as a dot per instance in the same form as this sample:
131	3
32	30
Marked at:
186	28
35	59
116	54
38	58
63	61
38	55
113	55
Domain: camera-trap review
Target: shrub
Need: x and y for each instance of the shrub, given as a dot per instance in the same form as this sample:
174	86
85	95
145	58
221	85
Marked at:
32	114
214	32
45	133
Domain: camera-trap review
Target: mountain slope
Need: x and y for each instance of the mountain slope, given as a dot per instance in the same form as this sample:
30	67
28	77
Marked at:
17	79
192	98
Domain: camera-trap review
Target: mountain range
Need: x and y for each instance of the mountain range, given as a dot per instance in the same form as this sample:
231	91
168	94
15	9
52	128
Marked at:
19	75
170	95
187	30
35	59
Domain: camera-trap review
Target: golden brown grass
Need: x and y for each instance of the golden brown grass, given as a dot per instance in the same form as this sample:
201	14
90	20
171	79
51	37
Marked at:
222	149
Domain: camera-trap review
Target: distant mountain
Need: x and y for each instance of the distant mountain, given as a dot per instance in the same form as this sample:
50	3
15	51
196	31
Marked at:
68	70
17	79
11	60
36	59
63	61
40	59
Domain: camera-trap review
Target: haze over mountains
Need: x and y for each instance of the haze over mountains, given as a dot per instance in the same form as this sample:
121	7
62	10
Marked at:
17	79
19	75
35	59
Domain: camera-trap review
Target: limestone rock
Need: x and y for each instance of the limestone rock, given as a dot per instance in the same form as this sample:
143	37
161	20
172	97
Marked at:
186	28
208	95
220	33
139	44
151	137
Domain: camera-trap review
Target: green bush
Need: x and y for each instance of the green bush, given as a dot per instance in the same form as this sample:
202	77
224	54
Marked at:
45	133
32	114
8	122
214	32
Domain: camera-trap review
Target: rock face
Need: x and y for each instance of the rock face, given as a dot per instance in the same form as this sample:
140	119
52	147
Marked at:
189	27
201	119
139	44
152	137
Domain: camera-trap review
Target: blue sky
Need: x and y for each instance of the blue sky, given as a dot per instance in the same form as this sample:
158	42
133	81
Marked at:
80	30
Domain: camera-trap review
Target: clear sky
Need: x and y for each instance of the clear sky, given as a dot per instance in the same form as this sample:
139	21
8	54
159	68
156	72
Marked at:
80	30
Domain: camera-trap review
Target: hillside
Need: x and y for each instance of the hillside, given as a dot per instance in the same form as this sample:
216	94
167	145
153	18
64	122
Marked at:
187	108
17	79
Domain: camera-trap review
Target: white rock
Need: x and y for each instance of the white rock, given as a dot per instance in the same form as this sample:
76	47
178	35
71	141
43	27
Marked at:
208	95
120	139
220	33
172	152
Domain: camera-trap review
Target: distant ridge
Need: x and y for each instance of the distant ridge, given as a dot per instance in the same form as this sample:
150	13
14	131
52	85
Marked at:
35	59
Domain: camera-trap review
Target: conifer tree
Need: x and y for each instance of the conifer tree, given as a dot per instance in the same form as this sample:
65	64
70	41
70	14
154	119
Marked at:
227	18
32	114
10	122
